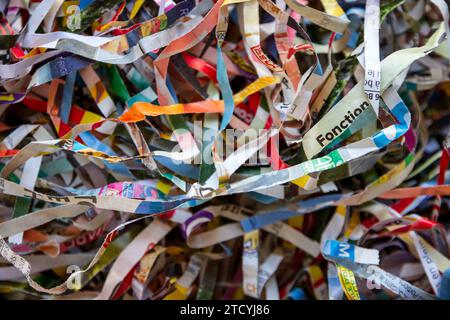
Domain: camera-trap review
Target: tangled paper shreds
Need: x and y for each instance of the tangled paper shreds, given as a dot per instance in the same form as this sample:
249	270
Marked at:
224	150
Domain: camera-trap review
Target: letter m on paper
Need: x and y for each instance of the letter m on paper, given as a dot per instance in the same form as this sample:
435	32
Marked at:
342	250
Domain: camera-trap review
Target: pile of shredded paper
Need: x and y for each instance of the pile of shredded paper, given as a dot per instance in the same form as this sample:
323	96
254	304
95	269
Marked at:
224	149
